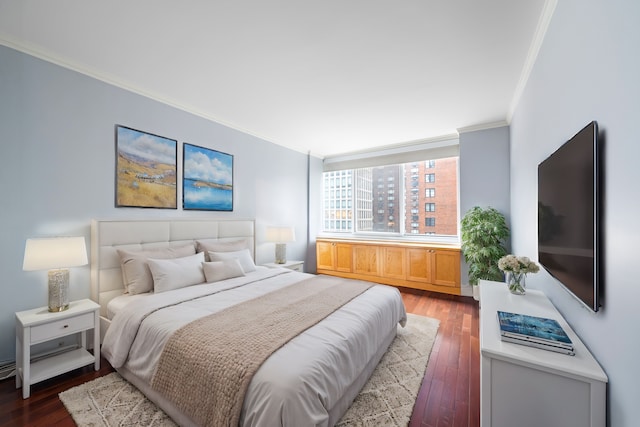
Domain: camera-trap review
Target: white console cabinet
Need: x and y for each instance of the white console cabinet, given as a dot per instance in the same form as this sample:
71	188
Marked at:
529	387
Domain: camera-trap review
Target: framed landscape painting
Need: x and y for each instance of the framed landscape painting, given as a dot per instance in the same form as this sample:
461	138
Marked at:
146	170
207	181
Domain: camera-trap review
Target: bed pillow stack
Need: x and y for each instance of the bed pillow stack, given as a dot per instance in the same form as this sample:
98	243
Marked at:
164	269
136	274
225	259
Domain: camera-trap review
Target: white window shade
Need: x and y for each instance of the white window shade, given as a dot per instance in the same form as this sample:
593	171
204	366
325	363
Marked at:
431	150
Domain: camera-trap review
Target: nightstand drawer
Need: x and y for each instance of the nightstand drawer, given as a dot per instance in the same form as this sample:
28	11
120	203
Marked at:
58	328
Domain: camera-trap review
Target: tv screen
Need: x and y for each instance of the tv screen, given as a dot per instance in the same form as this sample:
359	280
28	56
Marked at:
568	215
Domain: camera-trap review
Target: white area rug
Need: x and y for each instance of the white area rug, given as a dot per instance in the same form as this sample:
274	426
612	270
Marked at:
386	400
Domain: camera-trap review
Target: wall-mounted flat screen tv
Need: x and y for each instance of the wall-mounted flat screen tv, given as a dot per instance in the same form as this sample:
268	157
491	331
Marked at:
569	190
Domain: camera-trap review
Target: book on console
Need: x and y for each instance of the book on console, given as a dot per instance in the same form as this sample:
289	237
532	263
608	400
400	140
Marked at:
538	330
549	347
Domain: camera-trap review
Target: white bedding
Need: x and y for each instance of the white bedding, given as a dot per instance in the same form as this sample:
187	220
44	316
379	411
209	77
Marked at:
118	303
301	383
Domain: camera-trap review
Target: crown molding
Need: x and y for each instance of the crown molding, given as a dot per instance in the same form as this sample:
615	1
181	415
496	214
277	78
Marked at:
541	30
32	50
399	147
483	126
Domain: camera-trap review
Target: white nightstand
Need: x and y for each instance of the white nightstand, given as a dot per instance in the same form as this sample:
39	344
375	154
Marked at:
291	265
39	325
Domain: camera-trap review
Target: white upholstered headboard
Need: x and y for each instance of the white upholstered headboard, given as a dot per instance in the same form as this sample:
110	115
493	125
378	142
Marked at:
109	235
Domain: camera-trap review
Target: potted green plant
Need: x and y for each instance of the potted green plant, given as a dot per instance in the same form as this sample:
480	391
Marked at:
484	232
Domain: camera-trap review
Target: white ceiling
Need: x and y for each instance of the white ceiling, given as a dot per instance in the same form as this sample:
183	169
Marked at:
326	76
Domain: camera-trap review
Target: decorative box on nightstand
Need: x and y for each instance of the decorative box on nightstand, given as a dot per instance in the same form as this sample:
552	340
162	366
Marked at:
39	325
291	265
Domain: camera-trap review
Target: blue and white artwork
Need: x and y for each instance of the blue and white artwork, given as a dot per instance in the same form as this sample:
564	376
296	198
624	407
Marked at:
207	182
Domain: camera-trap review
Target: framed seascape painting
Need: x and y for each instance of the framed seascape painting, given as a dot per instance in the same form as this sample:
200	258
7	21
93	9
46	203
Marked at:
146	170
207	181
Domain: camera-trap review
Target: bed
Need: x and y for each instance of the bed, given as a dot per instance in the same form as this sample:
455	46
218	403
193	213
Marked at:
310	379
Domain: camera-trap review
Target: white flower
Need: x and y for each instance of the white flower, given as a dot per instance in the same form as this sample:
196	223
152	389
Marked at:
514	264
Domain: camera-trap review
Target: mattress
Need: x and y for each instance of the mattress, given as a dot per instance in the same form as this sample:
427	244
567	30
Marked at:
118	303
309	381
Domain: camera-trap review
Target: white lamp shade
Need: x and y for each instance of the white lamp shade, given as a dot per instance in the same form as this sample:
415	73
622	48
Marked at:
281	234
54	252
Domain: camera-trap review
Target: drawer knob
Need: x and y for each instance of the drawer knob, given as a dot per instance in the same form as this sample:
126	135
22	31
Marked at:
65	326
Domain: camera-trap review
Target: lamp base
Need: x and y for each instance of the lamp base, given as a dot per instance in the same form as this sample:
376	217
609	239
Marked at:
58	290
281	253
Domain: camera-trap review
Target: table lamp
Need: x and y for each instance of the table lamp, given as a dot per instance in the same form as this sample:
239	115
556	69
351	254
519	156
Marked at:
55	254
281	236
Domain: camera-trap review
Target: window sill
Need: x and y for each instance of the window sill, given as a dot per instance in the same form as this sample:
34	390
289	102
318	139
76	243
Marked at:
396	238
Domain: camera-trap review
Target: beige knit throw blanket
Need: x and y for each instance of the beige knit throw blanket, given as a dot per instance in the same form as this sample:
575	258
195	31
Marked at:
206	366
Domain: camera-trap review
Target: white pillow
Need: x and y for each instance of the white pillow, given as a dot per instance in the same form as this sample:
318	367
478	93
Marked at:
244	256
219	270
176	273
135	271
216	245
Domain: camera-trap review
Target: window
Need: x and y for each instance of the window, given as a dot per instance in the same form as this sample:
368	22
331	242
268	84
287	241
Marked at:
352	199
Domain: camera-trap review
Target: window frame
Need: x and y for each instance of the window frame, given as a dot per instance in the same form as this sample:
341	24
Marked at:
404	217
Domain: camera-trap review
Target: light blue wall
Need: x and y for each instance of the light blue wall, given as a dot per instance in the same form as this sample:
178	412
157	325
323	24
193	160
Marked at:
588	69
315	213
58	171
484	174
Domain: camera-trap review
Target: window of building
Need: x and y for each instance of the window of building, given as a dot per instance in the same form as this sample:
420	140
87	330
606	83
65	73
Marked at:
403	197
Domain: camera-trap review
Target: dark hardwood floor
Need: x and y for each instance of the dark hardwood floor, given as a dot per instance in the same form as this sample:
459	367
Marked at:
449	396
450	391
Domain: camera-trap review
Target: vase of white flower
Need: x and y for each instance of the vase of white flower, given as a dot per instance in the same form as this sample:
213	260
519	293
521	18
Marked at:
516	269
517	283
